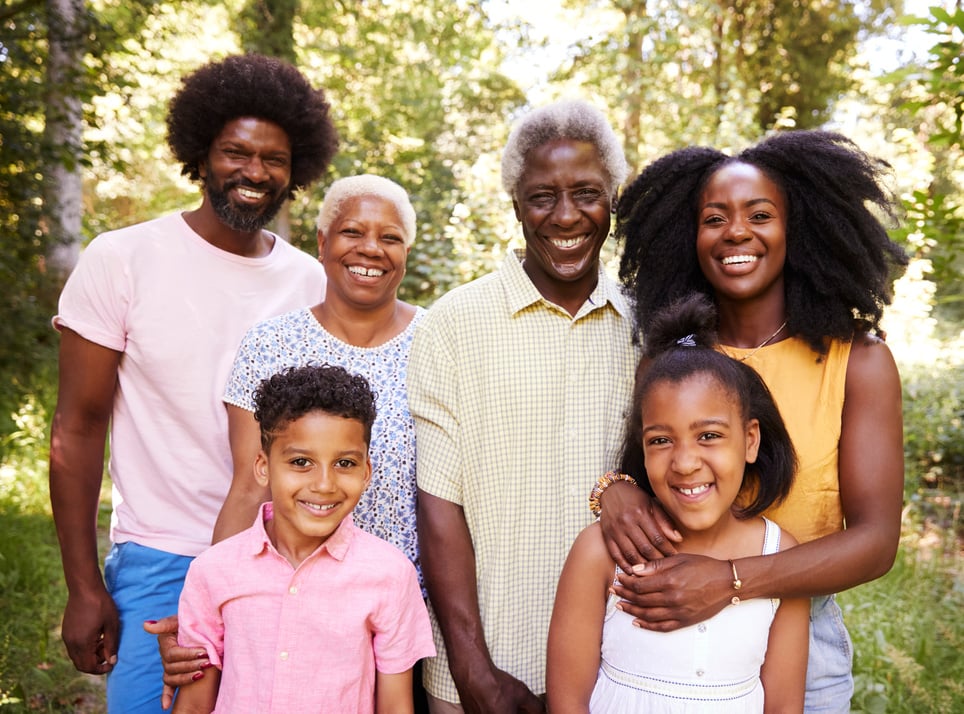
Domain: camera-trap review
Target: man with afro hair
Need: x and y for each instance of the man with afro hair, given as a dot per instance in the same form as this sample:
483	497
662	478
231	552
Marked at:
149	323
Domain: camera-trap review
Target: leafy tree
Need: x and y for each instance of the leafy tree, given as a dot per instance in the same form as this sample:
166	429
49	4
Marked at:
26	342
715	72
418	98
933	103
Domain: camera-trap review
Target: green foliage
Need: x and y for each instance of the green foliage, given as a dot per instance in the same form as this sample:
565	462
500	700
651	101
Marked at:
934	426
27	342
35	674
908	633
932	94
720	73
418	98
266	27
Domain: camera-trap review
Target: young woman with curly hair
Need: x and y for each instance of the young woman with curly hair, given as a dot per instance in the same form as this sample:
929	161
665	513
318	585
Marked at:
787	239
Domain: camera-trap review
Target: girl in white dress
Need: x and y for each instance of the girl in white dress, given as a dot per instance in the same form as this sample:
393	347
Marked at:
706	440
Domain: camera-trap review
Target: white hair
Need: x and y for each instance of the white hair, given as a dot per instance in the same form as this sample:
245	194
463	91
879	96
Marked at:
367	185
565	119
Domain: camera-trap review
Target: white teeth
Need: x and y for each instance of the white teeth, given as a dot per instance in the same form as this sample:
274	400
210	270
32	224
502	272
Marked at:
739	259
319	507
248	193
569	243
367	272
694	491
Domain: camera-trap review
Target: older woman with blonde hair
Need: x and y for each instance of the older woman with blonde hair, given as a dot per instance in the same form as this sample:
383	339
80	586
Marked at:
366	228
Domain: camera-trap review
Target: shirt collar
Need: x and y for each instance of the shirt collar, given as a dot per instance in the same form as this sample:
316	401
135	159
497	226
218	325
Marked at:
337	544
521	292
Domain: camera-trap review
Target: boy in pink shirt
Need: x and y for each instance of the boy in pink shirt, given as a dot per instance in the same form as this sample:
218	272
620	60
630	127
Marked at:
303	612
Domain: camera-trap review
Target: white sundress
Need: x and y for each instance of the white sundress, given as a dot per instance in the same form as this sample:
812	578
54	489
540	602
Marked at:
713	666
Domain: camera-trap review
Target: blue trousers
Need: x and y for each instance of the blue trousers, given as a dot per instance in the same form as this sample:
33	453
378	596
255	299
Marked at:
146	585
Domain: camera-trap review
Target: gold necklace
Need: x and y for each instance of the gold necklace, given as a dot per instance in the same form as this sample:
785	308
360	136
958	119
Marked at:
763	344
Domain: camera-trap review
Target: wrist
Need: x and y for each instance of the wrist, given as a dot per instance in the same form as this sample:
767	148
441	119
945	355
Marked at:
602	483
736	585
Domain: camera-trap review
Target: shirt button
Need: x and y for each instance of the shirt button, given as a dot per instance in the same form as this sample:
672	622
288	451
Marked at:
293	590
699	673
284	655
701	627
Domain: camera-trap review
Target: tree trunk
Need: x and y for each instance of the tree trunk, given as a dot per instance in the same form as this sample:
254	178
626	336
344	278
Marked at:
635	13
63	134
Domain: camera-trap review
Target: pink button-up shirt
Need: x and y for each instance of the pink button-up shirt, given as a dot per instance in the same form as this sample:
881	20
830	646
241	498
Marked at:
305	639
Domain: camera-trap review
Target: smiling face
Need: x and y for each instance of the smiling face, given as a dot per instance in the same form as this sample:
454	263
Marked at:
696	445
247	174
364	252
741	240
317	468
563	202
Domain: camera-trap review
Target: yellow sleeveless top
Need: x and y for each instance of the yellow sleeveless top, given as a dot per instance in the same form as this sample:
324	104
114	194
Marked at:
810	395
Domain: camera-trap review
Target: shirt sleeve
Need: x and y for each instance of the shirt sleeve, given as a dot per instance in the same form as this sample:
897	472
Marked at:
403	634
97	296
198	616
247	371
433	395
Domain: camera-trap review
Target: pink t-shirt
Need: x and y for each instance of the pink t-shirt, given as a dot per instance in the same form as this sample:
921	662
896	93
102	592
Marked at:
305	639
177	307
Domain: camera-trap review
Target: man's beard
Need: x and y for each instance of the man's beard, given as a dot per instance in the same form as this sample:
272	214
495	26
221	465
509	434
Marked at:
241	218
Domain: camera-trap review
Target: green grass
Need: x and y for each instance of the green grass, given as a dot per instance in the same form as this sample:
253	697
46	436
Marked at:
35	673
907	627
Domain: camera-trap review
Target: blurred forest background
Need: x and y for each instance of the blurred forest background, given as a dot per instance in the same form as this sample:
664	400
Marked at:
424	92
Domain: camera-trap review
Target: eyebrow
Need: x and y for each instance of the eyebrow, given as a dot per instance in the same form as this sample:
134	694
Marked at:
751	202
701	424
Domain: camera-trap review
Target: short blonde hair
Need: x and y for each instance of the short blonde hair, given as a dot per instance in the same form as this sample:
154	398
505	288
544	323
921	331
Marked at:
367	185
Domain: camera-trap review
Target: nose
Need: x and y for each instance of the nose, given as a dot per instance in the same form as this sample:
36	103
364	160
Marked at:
738	231
254	170
565	212
369	244
686	460
322	481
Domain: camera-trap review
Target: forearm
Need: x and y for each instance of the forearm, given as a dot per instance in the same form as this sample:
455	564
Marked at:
200	696
245	495
448	565
825	566
240	508
76	474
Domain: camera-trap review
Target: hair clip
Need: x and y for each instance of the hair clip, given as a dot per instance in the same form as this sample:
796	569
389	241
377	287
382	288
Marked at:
687	341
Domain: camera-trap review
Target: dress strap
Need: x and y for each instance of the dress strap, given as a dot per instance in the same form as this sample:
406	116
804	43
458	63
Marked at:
771	537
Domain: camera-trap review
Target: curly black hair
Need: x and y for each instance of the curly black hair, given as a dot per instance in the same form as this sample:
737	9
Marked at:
252	85
840	263
289	395
680	345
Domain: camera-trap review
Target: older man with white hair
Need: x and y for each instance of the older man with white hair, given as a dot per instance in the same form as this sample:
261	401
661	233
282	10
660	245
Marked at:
519	383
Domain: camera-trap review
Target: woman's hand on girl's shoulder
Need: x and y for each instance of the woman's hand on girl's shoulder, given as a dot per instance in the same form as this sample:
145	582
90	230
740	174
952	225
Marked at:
635	527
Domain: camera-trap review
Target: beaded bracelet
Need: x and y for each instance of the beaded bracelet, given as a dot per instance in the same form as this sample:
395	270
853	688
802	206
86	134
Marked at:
602	483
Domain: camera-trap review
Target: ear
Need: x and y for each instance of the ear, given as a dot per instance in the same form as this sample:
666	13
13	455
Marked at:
752	440
368	472
518	211
261	468
321	244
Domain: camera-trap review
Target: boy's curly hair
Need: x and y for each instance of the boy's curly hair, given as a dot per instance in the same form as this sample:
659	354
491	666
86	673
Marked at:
840	263
289	395
252	85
